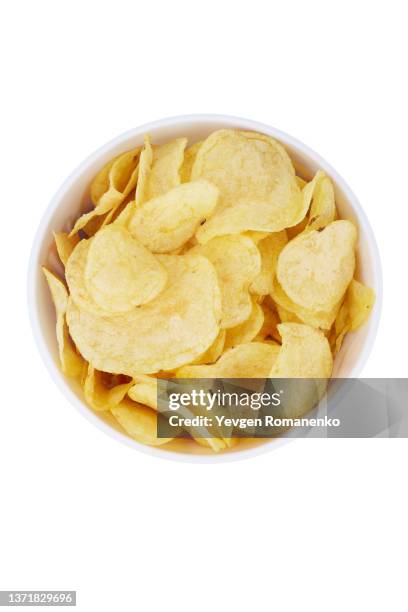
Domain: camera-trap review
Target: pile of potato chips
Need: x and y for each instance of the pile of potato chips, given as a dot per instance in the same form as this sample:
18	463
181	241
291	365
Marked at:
202	261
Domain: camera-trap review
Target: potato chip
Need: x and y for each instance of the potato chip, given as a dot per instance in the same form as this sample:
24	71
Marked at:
323	207
305	353
139	422
315	268
354	311
164	172
248	330
214	351
250	360
237	262
360	300
245	166
172	330
189	159
301	182
145	165
315	318
100	184
71	362
65	245
122	179
269	248
144	390
98	395
165	223
256	179
120	273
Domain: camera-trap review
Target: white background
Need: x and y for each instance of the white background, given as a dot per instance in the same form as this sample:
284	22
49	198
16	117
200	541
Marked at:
316	525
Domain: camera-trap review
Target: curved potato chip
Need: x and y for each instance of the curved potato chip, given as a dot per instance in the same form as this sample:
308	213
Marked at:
301	182
120	273
139	422
165	223
164	334
257	183
360	300
315	318
65	245
145	164
354	311
237	262
99	396
305	353
100	184
323	207
75	277
144	391
122	179
269	248
315	268
190	155
164	172
71	362
250	360
248	330
245	166
214	351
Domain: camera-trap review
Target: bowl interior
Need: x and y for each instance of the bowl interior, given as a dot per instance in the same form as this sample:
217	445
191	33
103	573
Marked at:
73	199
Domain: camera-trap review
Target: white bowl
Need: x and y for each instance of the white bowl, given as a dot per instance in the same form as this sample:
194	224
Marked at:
73	197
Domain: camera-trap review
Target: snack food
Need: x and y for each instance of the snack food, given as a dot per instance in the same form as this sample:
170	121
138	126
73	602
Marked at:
203	260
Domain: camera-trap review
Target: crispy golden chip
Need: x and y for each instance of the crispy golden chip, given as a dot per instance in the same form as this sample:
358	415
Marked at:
248	330
164	334
315	318
360	300
269	248
245	166
145	165
315	268
71	362
144	391
120	273
100	184
75	277
139	422
98	395
354	311
65	245
190	155
163	171
237	262
301	182
165	223
305	353
250	360
214	351
323	207
122	179
257	183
